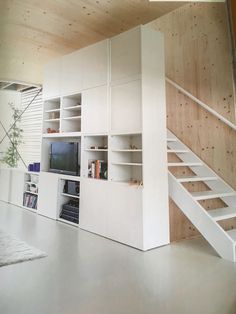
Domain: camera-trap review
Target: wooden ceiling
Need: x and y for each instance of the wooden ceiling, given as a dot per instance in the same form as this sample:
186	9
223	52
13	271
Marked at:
32	31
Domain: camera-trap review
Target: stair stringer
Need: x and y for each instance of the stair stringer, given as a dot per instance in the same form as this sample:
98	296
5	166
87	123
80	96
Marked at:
203	170
211	231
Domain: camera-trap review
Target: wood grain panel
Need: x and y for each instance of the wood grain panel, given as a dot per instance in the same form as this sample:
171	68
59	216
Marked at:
198	54
34	32
198	58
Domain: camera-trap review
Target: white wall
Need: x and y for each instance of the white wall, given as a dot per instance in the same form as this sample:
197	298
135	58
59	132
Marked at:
31	123
7	97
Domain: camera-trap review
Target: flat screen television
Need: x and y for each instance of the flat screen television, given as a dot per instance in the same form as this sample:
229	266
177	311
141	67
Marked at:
64	158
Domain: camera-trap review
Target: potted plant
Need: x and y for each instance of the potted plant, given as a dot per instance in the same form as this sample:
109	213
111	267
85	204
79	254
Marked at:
11	157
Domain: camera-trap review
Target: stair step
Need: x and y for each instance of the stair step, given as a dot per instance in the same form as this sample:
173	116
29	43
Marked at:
195	179
232	234
184	164
177	151
222	213
206	195
172	139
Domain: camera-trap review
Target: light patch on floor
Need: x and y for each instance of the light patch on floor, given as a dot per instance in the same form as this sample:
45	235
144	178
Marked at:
87	274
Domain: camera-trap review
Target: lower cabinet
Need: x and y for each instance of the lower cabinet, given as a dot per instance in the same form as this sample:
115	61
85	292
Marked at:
5	182
112	210
17	187
48	196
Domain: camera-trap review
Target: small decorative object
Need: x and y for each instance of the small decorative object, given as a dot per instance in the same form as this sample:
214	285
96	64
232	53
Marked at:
49	130
31	167
132	146
12	156
36	166
33	188
136	182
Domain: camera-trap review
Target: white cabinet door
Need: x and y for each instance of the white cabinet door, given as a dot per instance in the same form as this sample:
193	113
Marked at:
71	76
112	210
95	110
95	64
5	180
52	79
48	195
17	187
126	55
126	108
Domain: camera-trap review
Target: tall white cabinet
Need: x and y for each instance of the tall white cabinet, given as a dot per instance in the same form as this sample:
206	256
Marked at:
110	97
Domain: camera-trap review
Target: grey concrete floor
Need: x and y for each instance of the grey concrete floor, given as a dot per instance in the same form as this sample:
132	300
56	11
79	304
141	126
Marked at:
87	274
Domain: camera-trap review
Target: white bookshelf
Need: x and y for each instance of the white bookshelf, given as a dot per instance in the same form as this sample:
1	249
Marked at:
111	98
53	110
95	149
127	150
126	158
70	195
64	198
62	116
73	108
30	193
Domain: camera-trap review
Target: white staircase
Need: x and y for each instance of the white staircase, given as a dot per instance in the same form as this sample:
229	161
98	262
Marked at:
206	221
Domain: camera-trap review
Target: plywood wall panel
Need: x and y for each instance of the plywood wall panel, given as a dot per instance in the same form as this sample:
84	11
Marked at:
198	55
198	58
34	32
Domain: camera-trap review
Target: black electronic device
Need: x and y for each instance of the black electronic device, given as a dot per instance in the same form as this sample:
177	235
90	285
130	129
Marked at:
64	158
70	211
72	187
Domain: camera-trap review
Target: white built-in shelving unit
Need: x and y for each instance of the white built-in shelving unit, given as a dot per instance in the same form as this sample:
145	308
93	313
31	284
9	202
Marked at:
30	194
126	158
110	98
20	187
64	198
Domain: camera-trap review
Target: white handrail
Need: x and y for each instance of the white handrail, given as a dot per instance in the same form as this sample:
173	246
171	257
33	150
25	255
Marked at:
202	104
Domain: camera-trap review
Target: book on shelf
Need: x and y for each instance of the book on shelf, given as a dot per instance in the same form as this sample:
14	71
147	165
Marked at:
97	169
30	200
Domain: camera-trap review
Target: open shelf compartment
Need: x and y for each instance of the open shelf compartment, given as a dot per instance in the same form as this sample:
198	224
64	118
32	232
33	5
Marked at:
126	158
30	196
69	201
71	113
95	157
46	150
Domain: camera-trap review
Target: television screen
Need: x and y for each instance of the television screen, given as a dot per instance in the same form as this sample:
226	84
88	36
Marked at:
64	158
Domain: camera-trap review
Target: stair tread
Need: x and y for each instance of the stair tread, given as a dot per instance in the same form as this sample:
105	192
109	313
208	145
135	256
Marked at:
212	194
232	234
171	139
195	178
184	164
177	151
222	213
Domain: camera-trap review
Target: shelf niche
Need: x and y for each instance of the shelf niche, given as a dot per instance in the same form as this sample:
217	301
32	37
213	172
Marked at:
30	195
95	155
71	213
46	150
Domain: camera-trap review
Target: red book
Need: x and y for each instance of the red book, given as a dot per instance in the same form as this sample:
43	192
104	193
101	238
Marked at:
97	169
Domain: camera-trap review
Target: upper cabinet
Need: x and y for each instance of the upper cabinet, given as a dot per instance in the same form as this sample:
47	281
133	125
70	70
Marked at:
126	55
80	70
95	64
52	79
71	75
95	118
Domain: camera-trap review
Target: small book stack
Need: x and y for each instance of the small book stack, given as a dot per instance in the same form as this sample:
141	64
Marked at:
97	169
30	200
